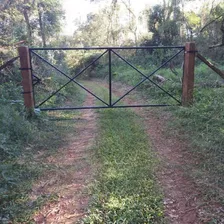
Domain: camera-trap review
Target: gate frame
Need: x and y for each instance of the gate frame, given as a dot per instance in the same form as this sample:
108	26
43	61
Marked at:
187	84
188	76
27	80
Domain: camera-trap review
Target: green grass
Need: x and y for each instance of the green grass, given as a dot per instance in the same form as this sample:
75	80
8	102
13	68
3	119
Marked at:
172	84
21	142
201	125
125	190
24	144
69	95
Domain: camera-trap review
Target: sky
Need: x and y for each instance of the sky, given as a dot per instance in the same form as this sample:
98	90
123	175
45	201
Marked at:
78	9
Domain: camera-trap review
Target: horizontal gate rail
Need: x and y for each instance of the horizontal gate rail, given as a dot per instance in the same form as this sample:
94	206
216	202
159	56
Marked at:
103	107
106	48
110	51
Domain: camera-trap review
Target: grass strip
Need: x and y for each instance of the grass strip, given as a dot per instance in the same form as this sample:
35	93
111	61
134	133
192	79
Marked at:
202	125
25	143
125	190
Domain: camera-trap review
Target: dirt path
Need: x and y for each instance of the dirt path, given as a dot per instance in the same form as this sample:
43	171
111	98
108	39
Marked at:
181	194
75	174
182	198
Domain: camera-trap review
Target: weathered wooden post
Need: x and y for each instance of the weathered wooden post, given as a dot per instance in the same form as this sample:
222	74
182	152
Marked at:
25	66
188	79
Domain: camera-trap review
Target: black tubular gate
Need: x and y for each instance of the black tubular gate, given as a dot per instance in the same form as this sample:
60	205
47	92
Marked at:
108	50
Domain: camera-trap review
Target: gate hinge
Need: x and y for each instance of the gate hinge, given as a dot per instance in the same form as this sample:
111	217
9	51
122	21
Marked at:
24	69
191	52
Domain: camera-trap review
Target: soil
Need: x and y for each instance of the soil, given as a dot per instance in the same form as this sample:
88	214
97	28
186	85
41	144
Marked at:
70	183
182	199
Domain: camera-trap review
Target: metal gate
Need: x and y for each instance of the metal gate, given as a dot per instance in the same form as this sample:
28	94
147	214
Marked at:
109	52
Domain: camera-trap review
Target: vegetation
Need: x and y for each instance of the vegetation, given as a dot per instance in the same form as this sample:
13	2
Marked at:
23	141
29	20
201	125
22	138
125	190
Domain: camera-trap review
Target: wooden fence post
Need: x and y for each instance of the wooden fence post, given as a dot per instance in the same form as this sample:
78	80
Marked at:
25	67
188	79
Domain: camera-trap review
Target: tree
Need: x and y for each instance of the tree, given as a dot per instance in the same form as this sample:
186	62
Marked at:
205	26
50	14
121	22
217	21
41	18
192	24
164	23
23	22
106	27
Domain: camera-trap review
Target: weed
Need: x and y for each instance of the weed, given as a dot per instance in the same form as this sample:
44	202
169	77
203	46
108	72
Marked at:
201	124
22	143
125	190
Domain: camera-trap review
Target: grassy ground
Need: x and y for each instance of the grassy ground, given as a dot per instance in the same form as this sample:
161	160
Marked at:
24	142
126	186
125	190
201	125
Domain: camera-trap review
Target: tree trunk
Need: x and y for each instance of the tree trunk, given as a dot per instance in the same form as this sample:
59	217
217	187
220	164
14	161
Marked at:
29	31
42	29
210	65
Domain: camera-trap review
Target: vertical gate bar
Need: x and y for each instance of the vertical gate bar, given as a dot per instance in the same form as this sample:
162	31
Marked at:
31	69
110	78
26	77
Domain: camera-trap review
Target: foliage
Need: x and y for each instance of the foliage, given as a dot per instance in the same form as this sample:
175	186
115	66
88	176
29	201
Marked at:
26	20
201	125
115	24
210	32
16	132
163	23
125	190
22	140
78	61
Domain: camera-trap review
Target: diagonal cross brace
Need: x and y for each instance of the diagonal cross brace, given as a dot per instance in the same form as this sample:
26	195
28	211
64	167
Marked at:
36	80
147	77
70	79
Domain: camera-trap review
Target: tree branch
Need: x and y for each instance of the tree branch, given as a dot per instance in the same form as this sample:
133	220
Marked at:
8	63
210	65
128	8
217	45
210	23
4	5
